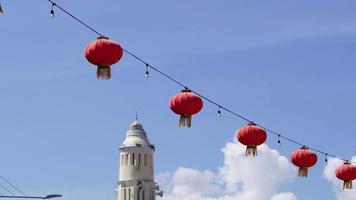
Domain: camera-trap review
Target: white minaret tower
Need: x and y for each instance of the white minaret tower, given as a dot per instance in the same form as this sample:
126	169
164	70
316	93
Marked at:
136	179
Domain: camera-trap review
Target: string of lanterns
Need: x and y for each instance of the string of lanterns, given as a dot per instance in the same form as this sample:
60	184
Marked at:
104	52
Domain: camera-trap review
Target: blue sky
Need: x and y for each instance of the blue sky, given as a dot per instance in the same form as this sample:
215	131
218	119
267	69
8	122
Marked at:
288	65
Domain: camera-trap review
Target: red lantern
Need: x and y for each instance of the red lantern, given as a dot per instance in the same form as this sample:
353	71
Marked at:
186	104
103	53
346	173
251	135
304	159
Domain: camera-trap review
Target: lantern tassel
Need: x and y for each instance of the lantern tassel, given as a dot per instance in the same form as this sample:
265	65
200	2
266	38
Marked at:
103	72
251	150
303	172
347	185
185	120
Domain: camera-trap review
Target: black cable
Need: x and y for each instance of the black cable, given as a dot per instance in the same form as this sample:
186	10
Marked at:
12	185
77	19
155	69
205	98
7	190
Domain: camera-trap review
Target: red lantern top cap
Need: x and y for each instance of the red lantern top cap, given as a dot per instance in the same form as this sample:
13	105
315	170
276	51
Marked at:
186	90
102	37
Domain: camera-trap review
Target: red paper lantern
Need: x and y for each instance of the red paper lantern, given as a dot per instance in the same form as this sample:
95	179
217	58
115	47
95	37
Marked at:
103	53
251	135
346	173
304	159
186	103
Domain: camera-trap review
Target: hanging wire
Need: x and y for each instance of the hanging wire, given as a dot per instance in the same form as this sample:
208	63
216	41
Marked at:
75	18
13	186
202	96
52	9
7	190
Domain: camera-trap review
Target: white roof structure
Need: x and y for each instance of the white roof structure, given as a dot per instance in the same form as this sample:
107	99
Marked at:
136	136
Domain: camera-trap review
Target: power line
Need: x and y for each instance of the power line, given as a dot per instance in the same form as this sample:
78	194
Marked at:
147	65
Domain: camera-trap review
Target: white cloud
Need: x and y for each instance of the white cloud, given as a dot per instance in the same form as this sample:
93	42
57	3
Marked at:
284	196
240	178
329	175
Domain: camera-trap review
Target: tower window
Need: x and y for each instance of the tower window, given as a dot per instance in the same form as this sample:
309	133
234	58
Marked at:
129	193
124	193
138	194
122	159
151	160
148	160
126	159
133	159
145	159
139	159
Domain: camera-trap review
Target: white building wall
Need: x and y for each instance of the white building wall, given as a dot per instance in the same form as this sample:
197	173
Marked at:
136	170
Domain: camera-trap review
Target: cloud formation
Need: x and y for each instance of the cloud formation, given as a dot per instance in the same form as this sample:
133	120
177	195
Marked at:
284	196
329	175
240	178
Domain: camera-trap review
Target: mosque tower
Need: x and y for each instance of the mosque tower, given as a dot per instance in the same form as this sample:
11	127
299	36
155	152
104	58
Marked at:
136	179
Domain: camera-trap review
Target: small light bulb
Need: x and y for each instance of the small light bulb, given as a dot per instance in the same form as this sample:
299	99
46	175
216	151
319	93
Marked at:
219	111
326	159
147	73
52	9
279	141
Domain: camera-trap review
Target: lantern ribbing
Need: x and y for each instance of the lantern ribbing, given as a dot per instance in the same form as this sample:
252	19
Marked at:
146	64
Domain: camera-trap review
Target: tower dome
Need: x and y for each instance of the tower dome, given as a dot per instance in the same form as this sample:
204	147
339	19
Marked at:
136	136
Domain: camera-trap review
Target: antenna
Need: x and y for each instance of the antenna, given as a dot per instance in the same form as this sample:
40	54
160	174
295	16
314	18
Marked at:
136	116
